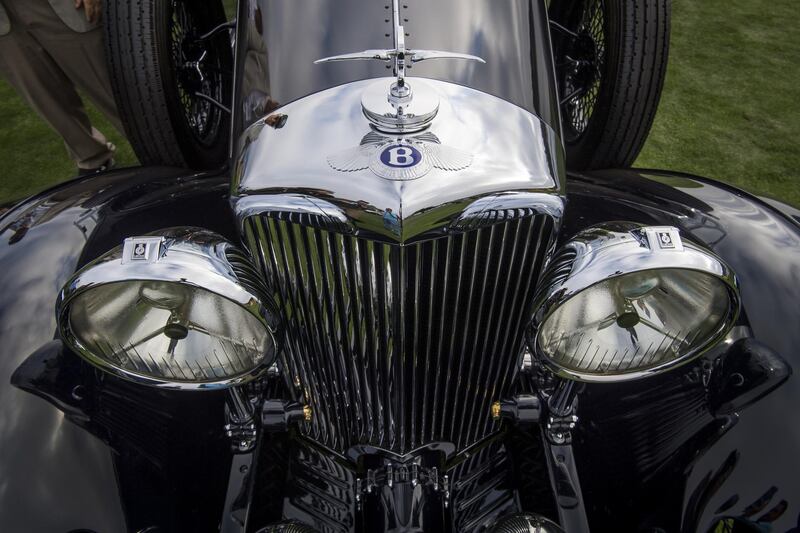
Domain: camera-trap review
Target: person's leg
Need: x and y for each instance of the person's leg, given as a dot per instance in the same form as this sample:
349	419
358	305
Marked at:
85	64
81	56
48	91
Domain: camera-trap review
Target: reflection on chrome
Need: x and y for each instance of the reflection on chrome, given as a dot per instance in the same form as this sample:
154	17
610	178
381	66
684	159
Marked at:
183	309
624	302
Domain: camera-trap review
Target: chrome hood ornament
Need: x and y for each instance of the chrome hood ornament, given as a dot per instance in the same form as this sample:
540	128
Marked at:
404	158
401	108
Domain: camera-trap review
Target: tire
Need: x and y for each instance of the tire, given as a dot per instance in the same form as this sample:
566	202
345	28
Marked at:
611	58
149	44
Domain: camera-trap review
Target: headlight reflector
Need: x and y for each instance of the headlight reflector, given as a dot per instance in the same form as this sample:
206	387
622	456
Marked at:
190	312
624	305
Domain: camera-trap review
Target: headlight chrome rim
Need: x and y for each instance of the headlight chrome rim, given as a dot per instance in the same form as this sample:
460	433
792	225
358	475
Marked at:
611	252
207	268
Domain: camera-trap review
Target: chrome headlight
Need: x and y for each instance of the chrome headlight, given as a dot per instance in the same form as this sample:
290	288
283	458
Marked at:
184	309
621	302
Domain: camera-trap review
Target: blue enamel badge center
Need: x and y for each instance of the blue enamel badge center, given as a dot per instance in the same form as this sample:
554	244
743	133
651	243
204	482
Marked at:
400	156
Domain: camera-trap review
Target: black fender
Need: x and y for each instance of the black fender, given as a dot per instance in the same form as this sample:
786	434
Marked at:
90	473
54	476
741	466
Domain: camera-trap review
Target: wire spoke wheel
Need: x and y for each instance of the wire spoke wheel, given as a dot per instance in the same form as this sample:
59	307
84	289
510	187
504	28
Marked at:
610	59
199	73
581	70
171	66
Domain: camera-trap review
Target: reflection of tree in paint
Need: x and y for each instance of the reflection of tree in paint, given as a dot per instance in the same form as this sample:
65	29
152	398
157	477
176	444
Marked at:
391	221
748	521
757	517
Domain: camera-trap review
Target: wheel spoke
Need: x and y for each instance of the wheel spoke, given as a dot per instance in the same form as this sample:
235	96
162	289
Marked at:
201	76
212	101
572	95
562	29
580	63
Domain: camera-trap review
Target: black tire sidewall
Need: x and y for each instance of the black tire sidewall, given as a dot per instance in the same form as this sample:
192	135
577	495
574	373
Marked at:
144	82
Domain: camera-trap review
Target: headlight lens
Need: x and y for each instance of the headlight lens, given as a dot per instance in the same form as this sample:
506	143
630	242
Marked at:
627	310
179	317
601	331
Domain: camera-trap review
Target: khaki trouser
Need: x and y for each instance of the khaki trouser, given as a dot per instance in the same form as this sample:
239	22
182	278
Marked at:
45	60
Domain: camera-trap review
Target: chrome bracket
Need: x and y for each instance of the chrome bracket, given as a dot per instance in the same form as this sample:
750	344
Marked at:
240	424
402	473
561	419
526	367
559	428
240	427
566	488
557	436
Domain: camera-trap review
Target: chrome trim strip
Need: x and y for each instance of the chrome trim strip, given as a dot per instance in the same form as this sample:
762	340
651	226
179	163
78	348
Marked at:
510	152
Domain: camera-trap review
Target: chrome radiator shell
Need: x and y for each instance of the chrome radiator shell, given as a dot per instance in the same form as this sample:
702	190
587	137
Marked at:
404	299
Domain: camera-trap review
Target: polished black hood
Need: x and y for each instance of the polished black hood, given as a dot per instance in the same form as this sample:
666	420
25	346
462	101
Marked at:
279	40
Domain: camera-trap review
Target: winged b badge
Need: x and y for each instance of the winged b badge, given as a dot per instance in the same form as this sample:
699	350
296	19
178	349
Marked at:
405	158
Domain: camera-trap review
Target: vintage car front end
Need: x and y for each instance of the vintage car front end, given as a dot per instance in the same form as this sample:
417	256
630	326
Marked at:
397	311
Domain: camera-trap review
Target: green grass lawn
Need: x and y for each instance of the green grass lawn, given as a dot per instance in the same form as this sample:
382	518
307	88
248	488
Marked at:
32	156
730	106
729	111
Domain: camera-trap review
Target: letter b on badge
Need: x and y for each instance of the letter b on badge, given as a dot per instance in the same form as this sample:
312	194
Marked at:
400	156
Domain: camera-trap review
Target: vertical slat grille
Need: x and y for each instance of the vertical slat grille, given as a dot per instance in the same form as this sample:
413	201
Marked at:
397	346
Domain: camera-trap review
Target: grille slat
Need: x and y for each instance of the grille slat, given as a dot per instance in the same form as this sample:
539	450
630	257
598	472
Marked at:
470	390
399	290
429	334
453	329
439	378
339	310
462	361
415	347
399	345
492	331
319	290
542	249
505	346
